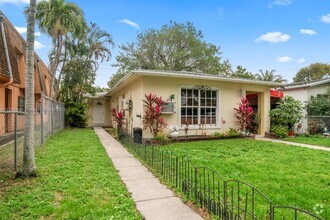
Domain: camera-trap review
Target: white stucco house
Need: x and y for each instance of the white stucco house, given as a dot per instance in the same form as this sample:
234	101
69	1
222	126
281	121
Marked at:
303	91
191	103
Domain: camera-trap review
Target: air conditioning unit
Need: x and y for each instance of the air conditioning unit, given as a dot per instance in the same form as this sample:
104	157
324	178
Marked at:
168	108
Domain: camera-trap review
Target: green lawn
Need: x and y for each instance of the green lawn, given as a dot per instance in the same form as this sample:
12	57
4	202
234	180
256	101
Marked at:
313	140
76	180
288	175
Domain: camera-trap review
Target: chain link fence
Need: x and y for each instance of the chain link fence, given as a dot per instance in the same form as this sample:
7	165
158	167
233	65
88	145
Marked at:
318	124
49	119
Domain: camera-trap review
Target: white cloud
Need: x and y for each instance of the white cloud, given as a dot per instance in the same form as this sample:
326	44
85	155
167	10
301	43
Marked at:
301	60
284	59
326	18
16	2
273	37
279	3
21	30
38	45
308	31
130	23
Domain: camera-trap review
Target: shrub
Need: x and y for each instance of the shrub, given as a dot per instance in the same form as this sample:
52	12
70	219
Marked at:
152	119
280	131
119	120
320	105
161	137
244	115
75	114
233	132
218	134
287	113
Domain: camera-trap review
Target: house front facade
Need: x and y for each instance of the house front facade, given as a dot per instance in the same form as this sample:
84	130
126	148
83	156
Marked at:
190	98
12	76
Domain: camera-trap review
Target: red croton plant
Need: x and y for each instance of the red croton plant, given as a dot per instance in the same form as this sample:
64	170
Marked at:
119	118
244	115
152	119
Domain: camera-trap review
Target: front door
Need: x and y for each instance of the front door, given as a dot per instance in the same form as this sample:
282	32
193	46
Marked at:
99	112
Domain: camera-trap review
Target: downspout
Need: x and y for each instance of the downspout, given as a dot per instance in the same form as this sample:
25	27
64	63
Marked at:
3	35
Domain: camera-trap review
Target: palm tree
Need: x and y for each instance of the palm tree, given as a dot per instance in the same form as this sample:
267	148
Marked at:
84	55
28	153
269	76
60	20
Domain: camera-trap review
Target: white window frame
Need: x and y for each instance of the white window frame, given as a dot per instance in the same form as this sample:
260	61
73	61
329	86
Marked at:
207	126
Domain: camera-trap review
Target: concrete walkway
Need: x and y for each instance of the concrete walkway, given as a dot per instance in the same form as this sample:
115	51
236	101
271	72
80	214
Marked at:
295	144
153	199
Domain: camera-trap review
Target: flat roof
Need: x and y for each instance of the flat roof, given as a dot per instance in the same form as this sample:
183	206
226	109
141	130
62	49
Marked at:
191	75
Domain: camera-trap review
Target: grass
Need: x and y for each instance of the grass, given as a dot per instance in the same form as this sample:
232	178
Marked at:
318	140
76	180
288	175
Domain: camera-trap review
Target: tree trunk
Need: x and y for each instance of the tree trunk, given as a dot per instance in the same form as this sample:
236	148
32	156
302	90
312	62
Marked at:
28	153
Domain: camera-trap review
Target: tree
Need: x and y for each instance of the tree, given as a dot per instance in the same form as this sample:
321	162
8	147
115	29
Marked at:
269	76
173	47
83	57
60	20
314	71
319	105
28	153
242	72
287	113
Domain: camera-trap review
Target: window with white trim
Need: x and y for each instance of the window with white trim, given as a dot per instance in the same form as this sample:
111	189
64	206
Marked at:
199	107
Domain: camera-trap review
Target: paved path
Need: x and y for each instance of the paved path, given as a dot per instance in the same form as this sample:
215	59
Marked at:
152	198
295	144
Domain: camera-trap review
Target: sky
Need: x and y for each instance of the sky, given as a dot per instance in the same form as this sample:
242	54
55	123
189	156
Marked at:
281	35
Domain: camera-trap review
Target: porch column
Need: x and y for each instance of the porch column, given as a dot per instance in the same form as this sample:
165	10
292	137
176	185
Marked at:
264	103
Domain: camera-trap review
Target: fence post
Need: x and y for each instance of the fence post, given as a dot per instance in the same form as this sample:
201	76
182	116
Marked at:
176	171
271	217
15	142
152	156
52	116
196	181
42	119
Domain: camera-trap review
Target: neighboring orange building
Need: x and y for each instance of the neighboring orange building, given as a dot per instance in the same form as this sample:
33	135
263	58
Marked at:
12	74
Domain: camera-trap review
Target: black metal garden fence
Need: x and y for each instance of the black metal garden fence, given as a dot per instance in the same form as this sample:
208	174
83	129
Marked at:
224	199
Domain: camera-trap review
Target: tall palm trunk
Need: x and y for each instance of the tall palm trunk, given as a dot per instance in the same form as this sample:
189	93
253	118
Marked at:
28	154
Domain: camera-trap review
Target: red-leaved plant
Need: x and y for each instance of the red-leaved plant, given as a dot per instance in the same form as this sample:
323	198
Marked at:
118	117
152	119
244	115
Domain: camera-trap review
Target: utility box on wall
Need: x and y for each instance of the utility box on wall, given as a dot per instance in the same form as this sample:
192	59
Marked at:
168	108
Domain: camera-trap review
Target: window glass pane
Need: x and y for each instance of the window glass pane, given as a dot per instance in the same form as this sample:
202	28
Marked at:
189	93
202	102
203	93
189	102
183	93
183	101
208	102
214	94
214	102
183	111
208	94
195	111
